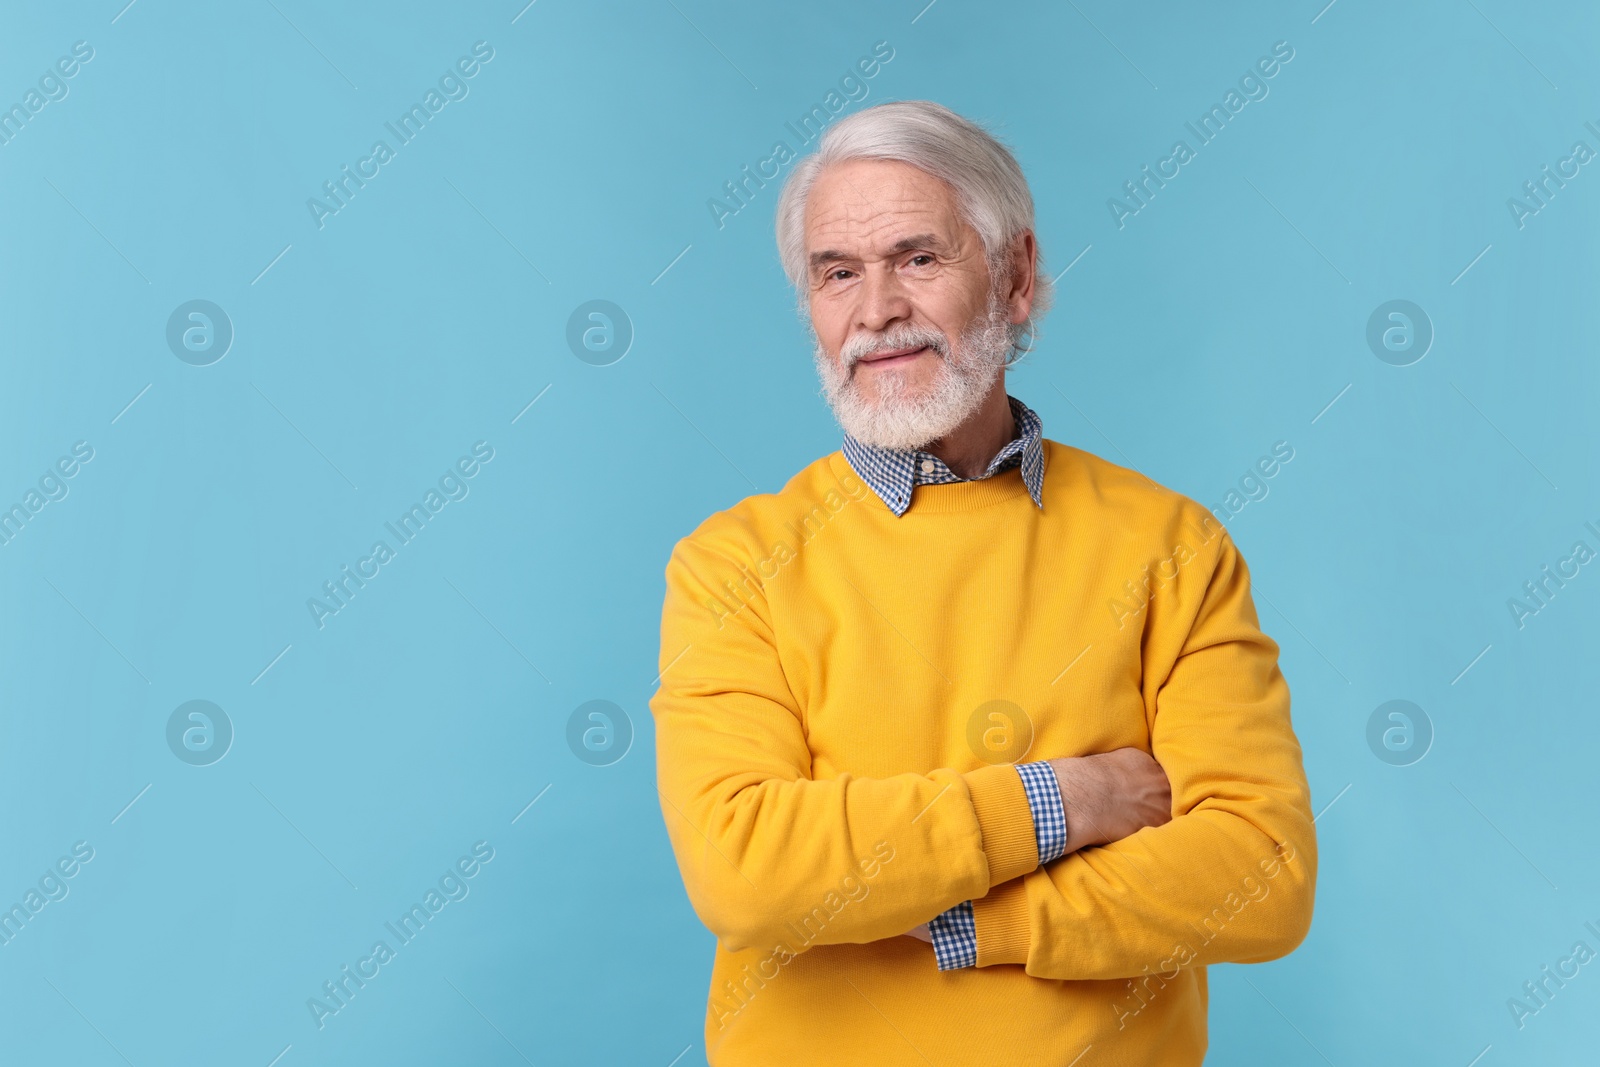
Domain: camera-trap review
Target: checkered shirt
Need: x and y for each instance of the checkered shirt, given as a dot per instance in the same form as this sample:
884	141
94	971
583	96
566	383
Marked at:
891	473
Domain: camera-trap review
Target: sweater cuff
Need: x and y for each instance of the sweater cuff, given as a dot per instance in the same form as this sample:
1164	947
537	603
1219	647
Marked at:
1006	821
1001	920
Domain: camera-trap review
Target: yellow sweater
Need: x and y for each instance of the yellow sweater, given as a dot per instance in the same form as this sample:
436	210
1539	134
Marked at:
843	694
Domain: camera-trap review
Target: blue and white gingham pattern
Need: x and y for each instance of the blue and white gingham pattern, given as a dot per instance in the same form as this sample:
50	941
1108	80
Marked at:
891	473
954	932
1044	800
955	938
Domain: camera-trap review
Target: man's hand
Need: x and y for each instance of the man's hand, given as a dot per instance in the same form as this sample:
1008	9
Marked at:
1111	795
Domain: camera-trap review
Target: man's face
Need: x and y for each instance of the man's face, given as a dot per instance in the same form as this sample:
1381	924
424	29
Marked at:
910	332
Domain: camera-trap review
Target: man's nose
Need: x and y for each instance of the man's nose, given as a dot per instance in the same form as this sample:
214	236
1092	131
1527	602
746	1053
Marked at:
884	301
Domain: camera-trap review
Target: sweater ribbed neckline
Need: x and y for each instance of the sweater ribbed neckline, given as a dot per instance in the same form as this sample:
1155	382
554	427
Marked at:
952	497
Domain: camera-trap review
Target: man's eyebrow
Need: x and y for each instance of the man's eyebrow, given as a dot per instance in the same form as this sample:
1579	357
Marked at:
920	240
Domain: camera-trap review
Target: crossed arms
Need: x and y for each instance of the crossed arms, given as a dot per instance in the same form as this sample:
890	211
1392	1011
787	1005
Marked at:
759	841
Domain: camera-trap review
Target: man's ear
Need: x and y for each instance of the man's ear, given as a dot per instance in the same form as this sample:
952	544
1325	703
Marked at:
1023	258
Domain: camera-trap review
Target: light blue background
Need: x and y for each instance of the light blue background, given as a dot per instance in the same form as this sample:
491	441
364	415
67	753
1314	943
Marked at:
427	314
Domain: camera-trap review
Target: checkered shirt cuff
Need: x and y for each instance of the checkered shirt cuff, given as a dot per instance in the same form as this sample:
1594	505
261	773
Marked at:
1044	800
955	937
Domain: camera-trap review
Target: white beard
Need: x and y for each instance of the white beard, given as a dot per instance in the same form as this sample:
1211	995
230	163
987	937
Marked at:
902	419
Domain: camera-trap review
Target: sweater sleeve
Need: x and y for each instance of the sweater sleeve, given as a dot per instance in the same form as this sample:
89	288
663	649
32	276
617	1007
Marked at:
767	851
955	938
1231	877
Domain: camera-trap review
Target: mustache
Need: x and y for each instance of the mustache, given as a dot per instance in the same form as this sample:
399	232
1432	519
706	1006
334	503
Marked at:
863	345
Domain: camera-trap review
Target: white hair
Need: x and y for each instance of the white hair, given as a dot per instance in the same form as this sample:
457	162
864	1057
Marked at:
991	193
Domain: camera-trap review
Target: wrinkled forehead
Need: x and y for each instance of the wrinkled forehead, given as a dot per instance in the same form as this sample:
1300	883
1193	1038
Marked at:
872	208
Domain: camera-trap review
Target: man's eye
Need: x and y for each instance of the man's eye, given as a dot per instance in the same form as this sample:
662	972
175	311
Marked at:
835	274
920	255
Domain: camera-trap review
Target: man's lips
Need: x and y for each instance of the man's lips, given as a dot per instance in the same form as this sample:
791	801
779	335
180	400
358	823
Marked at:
894	357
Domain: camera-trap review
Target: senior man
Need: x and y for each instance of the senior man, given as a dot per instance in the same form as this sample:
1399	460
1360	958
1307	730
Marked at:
970	747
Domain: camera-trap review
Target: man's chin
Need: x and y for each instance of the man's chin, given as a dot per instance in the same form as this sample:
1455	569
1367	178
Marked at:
904	411
897	444
890	427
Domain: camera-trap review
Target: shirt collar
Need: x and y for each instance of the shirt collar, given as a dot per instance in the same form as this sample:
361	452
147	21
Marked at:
891	473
